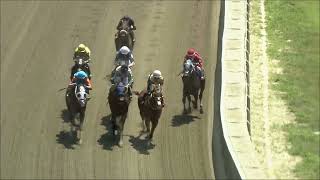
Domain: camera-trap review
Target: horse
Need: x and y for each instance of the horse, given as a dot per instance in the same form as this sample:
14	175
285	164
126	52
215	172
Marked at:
119	101
192	85
123	37
150	107
81	64
76	102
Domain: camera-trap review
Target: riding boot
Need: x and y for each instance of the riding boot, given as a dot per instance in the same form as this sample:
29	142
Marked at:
162	101
202	74
133	38
130	93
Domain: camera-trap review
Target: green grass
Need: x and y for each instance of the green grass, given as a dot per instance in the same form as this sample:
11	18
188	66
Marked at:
298	21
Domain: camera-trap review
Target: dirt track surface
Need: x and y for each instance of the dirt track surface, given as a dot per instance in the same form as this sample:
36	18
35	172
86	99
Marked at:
37	42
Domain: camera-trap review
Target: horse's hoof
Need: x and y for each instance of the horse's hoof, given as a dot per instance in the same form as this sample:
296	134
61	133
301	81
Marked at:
80	141
185	111
120	143
201	111
115	132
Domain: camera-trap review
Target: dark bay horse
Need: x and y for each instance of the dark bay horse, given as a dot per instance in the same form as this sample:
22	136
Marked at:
150	107
123	37
192	85
119	101
76	101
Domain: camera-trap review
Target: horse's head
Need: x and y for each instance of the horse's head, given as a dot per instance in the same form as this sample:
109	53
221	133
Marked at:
188	68
155	99
121	92
81	94
125	25
123	33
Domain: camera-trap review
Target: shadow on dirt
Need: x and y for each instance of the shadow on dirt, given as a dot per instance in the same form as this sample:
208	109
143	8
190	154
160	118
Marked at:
107	140
179	120
65	115
66	139
141	145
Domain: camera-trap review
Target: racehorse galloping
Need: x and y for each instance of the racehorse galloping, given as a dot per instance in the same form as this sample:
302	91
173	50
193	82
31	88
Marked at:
150	107
76	100
123	37
192	85
119	101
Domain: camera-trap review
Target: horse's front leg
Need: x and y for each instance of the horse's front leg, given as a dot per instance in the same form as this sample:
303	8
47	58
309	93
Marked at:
184	103
189	100
79	129
195	102
120	123
147	121
154	125
200	95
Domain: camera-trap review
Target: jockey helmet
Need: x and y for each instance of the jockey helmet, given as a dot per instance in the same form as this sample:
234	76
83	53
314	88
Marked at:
190	52
80	75
156	74
81	48
124	50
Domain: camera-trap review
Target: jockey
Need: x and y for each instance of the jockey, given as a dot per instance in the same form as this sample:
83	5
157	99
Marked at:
124	56
123	75
155	78
82	51
197	60
80	77
85	67
131	24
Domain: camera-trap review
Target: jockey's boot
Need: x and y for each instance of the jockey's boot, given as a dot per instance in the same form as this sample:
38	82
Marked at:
202	74
162	101
133	38
130	92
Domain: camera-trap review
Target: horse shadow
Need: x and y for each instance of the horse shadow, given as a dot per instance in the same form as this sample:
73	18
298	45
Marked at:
66	139
63	137
107	140
141	145
179	120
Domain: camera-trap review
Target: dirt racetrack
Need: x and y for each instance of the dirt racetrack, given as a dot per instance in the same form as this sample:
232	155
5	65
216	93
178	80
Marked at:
37	43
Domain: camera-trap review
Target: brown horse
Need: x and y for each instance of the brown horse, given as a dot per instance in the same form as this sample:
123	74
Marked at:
150	107
119	101
123	37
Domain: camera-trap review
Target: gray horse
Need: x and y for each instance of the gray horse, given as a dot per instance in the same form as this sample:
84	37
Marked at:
76	100
192	85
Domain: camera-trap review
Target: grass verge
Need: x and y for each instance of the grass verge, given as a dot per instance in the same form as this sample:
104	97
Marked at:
293	35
